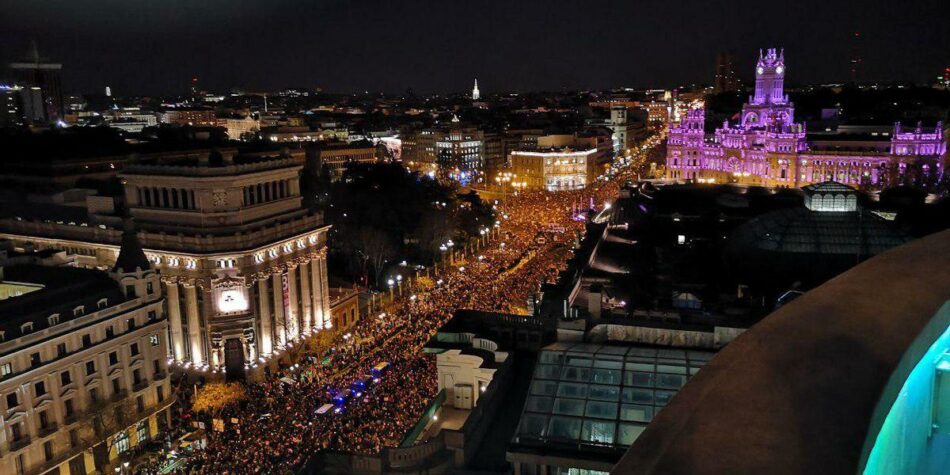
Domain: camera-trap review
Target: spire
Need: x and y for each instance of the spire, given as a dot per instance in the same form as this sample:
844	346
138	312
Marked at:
475	93
131	256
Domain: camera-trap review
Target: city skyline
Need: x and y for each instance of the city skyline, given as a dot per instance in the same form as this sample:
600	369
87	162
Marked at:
378	47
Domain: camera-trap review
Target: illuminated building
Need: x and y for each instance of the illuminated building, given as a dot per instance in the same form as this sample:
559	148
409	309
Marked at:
41	87
552	170
83	375
190	117
767	147
337	156
456	153
476	95
238	128
242	262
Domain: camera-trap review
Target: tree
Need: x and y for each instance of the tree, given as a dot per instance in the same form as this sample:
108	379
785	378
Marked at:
105	420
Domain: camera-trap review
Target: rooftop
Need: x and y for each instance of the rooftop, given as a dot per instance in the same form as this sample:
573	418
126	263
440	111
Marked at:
65	288
597	399
803	390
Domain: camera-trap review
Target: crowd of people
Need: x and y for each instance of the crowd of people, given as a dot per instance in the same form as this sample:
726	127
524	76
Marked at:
276	427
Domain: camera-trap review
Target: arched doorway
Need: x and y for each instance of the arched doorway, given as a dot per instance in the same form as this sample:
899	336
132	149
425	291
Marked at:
234	358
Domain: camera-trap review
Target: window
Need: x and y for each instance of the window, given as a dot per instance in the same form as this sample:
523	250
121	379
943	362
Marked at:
116	386
113	358
26	328
140	404
134	349
5	369
102	303
130	290
86	341
149	288
35	360
142	431
65	378
160	392
90	368
74	438
39	388
12	400
152	316
110	332
53	319
136	376
130	324
17	431
93	395
156	367
153	339
79	311
68	408
44	420
61	350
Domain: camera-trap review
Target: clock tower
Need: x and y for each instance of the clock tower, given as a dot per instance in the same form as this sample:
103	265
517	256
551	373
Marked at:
769	105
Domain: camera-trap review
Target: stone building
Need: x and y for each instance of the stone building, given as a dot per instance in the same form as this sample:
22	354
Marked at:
83	358
243	263
768	148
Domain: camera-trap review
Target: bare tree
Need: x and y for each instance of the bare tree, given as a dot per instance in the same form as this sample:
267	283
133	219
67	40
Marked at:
103	420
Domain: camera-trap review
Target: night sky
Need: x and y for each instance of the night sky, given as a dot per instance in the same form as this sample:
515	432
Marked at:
156	46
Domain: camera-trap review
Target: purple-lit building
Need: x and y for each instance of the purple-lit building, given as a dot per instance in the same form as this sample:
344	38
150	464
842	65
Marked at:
768	148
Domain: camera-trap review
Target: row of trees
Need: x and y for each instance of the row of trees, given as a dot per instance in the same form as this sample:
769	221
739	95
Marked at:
382	214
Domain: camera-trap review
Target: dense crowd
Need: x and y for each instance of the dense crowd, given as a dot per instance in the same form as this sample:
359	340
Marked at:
277	427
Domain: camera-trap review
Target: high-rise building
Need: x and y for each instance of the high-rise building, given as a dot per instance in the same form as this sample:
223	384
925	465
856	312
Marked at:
41	85
476	95
726	78
11	114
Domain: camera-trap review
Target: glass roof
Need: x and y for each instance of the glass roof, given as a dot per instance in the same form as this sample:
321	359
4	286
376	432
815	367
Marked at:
601	395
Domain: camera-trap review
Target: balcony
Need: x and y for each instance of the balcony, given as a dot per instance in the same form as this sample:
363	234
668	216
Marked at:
820	385
19	443
160	376
49	429
119	395
71	419
142	384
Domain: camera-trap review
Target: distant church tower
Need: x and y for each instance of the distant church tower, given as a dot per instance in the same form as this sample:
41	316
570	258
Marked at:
475	94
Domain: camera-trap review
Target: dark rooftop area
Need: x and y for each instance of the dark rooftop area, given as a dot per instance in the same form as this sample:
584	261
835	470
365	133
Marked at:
64	289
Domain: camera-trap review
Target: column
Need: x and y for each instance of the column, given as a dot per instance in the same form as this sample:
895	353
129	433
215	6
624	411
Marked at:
317	295
265	341
293	311
306	298
194	328
177	345
325	283
280	325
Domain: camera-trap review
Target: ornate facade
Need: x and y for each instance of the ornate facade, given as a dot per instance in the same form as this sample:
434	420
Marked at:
242	262
768	148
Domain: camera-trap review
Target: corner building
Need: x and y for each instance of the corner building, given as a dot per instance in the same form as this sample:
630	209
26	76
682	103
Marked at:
768	148
243	264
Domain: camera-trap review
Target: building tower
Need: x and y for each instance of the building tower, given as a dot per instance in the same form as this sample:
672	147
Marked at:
726	79
475	94
41	88
769	105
